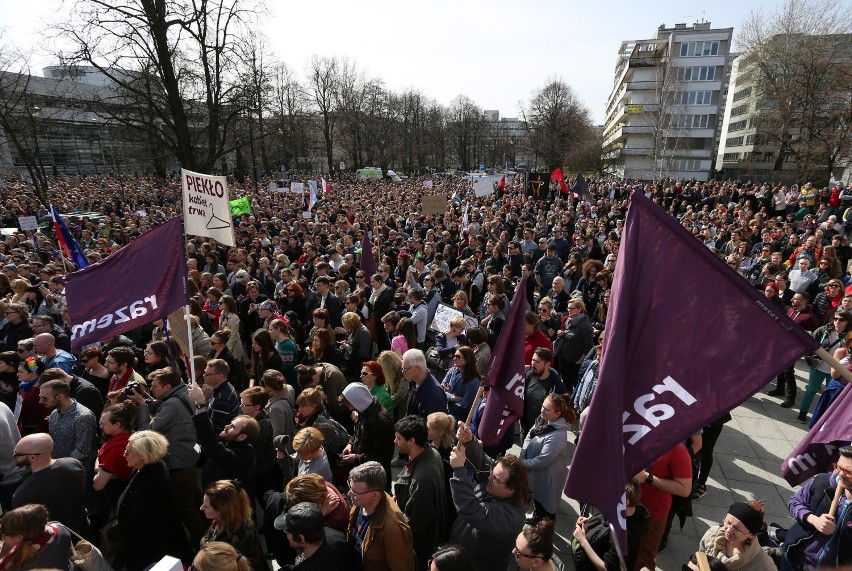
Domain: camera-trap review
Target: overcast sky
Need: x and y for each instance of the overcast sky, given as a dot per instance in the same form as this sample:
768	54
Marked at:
496	52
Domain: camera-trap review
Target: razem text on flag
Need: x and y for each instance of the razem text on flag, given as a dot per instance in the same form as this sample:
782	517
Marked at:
675	355
144	281
819	448
206	208
505	376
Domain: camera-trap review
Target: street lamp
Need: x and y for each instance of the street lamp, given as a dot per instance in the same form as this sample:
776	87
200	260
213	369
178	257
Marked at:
251	115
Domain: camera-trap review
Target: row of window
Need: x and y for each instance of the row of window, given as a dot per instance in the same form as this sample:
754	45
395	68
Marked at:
698	49
685	164
697	73
742	93
738	126
740	110
691	121
734	141
693	97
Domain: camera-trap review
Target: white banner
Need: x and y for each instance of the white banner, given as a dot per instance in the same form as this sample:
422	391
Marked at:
28	222
206	207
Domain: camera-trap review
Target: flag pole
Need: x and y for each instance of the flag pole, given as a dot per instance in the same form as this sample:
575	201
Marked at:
617	546
836	499
834	363
475	403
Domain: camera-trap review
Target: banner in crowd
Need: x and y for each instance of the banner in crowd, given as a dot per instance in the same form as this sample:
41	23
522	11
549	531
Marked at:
206	208
674	357
144	281
240	206
581	189
326	187
818	449
28	223
505	376
433	204
538	185
66	240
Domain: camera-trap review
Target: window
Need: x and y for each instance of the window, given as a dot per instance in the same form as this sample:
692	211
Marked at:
734	141
737	126
698	49
693	98
739	110
685	164
699	73
731	156
742	93
691	121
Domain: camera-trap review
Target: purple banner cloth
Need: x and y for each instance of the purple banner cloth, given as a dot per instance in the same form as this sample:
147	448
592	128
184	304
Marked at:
368	260
505	376
818	449
687	339
144	281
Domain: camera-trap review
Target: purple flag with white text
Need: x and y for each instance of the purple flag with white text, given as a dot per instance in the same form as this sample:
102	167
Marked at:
144	281
505	376
687	339
818	449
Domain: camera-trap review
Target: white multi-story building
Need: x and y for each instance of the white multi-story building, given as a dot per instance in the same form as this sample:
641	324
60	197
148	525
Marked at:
664	115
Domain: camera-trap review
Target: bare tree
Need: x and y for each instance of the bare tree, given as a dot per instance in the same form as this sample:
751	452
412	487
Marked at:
290	106
556	121
464	125
21	117
174	65
796	56
323	81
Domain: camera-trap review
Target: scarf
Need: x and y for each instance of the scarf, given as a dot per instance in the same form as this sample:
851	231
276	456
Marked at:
374	295
8	562
541	428
24	387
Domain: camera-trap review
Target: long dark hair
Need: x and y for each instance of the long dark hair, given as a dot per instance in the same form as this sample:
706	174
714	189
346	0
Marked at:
267	349
469	369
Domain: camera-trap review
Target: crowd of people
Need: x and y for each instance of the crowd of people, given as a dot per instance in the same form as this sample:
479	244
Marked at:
333	423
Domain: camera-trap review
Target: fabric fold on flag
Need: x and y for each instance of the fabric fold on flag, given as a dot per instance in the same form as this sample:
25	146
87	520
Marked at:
818	449
557	176
368	260
66	240
143	281
505	377
673	357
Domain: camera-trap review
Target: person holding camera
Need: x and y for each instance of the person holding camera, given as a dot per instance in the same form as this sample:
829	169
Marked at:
168	410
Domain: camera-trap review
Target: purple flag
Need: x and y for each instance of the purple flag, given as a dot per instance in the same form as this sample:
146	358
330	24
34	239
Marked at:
505	376
144	281
674	355
818	449
368	261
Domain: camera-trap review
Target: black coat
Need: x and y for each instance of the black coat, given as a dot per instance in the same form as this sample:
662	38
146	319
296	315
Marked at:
226	461
147	524
87	395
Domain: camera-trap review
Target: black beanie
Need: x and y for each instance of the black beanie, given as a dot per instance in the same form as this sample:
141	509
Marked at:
751	518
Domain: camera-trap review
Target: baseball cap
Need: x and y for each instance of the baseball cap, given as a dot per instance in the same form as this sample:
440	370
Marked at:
302	519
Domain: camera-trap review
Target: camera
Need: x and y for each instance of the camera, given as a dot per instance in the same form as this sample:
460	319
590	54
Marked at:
131	387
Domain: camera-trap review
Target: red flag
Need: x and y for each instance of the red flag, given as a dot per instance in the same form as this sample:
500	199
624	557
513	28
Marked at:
649	397
505	376
557	176
502	184
326	187
818	449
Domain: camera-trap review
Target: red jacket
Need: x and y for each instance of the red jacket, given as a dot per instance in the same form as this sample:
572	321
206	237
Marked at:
534	341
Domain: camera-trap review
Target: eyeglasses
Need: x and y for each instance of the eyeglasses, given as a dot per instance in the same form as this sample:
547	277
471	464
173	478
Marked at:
493	479
517	553
246	404
365	373
355	494
26	453
845	471
22	350
737	532
573	307
406	369
839	319
209	373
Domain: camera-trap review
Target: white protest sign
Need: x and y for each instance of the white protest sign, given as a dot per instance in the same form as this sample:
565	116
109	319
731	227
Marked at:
206	207
297	187
427	184
28	222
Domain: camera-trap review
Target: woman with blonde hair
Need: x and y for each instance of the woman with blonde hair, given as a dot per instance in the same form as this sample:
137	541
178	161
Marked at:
395	381
219	556
227	505
316	489
229	320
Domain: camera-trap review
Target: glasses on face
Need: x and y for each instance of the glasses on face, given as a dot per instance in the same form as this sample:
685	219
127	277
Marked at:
834	286
26	454
365	373
493	479
406	369
355	494
209	373
845	471
737	532
573	307
21	350
245	404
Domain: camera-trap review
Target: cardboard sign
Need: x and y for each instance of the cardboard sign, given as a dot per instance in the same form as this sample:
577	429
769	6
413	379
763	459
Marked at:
434	204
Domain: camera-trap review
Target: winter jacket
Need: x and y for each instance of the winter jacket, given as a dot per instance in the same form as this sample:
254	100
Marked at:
171	416
421	495
486	527
545	455
752	558
803	544
387	545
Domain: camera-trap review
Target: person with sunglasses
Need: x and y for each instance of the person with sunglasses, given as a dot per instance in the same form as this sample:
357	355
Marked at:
534	547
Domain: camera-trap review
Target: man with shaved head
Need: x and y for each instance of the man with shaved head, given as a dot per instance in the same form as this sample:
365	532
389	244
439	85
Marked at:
58	484
44	344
